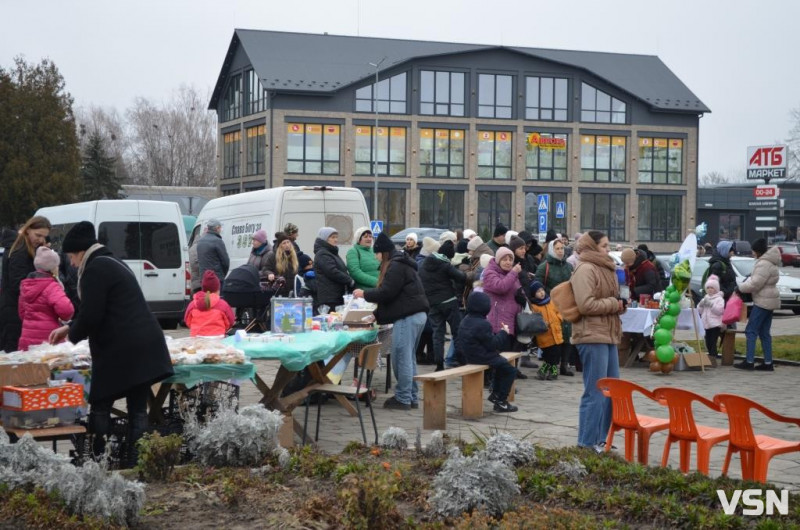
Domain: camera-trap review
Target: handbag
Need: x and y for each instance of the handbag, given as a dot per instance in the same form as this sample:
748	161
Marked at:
733	310
563	297
530	323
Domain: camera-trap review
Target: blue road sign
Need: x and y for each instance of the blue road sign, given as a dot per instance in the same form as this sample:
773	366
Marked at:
542	222
376	227
561	210
544	203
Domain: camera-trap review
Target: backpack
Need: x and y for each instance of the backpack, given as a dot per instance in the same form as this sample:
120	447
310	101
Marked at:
707	273
563	297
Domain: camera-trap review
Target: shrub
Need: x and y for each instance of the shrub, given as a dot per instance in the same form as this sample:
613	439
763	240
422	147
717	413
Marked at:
506	448
158	455
368	501
477	482
394	438
236	440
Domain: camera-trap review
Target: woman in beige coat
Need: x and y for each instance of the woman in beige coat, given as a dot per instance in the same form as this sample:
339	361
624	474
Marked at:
596	334
766	299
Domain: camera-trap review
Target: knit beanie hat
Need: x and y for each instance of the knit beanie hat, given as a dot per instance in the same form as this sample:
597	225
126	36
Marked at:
360	232
469	233
447	236
724	247
303	261
759	245
712	281
280	237
535	286
502	251
383	243
210	282
325	232
430	245
260	236
628	256
515	243
79	238
46	259
461	246
290	228
526	236
500	230
447	249
412	235
485	259
213	224
474	243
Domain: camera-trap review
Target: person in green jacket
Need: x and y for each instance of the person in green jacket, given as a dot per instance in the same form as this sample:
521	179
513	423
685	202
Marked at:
551	272
362	264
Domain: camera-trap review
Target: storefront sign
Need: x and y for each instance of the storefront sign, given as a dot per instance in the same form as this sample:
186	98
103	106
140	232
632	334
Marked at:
545	142
766	162
766	191
763	203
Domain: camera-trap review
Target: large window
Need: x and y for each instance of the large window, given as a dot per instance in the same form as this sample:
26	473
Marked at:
232	148
390	96
659	218
441	153
660	160
546	157
232	105
157	243
391	207
546	98
599	107
494	155
603	158
256	96
312	149
559	224
441	93
441	208
494	207
391	150
495	95
731	226
604	212
256	137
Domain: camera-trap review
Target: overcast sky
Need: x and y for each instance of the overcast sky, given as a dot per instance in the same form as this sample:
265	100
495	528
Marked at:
738	57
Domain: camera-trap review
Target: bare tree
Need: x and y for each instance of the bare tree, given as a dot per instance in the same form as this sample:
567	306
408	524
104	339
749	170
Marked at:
713	178
112	129
173	145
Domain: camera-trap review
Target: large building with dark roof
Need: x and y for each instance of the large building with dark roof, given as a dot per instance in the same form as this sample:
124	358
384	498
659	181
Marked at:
468	135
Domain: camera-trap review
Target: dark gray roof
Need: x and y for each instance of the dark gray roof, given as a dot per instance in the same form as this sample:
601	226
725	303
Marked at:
312	63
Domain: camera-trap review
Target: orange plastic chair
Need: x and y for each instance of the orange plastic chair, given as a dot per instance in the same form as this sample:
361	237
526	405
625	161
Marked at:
755	450
684	430
624	417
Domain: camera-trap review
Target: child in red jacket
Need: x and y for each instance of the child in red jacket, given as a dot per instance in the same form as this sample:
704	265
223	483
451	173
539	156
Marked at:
208	315
42	300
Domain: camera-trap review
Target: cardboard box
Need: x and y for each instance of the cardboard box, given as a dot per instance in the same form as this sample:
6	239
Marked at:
687	361
355	317
42	397
27	374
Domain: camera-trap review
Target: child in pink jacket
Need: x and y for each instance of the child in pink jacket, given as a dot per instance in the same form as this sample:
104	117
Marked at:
711	308
43	304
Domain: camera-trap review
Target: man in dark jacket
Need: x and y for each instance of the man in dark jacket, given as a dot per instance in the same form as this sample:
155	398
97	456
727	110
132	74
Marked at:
663	279
331	272
720	264
128	350
438	276
211	252
498	238
481	346
643	278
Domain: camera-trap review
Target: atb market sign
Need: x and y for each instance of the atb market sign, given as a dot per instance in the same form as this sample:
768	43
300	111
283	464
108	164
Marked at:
766	162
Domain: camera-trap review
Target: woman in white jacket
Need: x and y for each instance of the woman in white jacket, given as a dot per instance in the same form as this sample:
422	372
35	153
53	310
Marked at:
766	299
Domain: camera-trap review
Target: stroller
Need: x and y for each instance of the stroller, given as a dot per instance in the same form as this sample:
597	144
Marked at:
243	290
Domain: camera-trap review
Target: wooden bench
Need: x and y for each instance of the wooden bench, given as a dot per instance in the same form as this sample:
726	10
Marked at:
54	434
512	356
729	345
434	388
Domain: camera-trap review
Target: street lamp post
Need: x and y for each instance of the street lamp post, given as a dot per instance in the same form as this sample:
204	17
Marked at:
375	139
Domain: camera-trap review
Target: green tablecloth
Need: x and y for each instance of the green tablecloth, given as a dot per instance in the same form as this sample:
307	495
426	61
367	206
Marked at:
306	348
194	374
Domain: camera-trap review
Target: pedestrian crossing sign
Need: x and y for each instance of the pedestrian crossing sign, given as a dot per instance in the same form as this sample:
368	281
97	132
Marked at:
376	227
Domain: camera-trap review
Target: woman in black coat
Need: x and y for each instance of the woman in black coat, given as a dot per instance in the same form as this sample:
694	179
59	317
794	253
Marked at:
401	301
17	264
331	272
128	350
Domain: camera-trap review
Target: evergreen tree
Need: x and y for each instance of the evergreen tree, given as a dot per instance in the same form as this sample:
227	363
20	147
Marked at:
99	171
39	156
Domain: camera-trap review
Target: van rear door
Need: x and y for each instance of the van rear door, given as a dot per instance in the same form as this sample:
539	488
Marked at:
118	229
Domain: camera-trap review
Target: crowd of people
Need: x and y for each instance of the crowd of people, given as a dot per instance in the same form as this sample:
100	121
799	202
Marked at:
460	283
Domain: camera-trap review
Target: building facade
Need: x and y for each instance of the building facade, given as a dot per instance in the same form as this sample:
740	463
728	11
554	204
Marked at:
467	135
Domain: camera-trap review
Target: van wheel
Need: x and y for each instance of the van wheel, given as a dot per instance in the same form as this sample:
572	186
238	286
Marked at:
169	323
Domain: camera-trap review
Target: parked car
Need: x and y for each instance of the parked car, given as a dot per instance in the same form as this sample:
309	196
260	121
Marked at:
788	287
789	254
399	238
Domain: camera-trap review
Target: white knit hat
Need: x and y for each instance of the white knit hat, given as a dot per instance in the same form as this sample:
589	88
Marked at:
430	245
474	243
412	235
509	234
451	236
469	233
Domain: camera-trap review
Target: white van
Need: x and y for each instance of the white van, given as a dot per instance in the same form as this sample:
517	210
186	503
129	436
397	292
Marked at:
308	207
148	235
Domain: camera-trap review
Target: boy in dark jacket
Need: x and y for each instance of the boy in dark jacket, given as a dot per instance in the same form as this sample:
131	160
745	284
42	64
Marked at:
481	346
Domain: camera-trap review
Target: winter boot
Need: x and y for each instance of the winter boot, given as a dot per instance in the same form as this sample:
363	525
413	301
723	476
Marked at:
544	372
137	425
553	372
99	426
565	370
526	362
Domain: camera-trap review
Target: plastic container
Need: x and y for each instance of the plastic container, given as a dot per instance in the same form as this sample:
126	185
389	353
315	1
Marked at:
38	419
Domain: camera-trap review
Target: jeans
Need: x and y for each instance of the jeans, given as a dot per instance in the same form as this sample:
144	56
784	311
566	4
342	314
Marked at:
758	325
504	375
441	315
405	335
594	414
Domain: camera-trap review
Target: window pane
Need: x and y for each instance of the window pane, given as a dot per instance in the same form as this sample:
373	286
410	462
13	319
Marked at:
504	90
426	108
457	87
603	101
532	92
442	87
547	92
560	115
426	86
485	111
588	97
486	89
561	94
398	87
457	110
383	89
363	105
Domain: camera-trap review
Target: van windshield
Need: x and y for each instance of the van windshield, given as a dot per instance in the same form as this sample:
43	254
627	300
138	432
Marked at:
157	243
